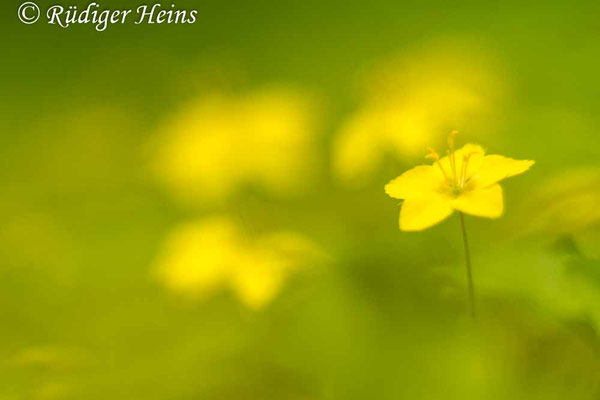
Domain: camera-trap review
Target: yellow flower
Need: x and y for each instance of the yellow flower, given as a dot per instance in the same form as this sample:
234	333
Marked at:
197	257
222	142
466	181
203	257
406	102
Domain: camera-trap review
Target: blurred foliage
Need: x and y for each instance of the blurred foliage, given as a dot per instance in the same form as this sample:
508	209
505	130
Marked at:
118	148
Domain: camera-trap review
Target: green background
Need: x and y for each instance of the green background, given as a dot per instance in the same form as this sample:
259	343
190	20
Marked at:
386	318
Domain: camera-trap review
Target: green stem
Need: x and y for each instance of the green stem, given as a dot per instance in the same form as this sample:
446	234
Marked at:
468	263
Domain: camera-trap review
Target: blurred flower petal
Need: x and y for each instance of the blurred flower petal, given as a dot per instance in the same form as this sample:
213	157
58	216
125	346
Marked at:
412	103
221	142
214	253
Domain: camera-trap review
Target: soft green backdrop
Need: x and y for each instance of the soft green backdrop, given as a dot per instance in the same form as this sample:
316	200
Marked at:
384	315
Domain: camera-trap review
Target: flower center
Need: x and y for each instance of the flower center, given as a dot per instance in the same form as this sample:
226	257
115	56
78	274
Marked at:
455	179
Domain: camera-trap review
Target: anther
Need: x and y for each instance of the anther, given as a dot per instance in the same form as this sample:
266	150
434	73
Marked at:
465	164
433	155
451	155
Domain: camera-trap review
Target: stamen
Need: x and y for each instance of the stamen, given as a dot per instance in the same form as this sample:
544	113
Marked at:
465	164
451	155
463	173
433	155
451	138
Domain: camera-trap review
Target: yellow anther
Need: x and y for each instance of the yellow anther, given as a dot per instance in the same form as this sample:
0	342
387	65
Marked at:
465	164
433	155
451	155
451	138
463	172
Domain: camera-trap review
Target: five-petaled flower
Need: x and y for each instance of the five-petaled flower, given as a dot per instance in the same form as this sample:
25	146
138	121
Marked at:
466	180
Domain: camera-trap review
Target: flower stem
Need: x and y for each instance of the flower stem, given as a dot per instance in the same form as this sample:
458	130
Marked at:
468	263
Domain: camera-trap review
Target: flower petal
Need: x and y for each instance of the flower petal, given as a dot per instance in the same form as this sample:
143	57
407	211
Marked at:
357	150
259	277
415	182
421	213
486	202
494	168
474	152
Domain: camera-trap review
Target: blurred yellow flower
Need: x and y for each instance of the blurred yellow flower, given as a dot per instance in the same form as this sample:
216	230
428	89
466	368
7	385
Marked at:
213	253
221	142
466	180
408	102
197	257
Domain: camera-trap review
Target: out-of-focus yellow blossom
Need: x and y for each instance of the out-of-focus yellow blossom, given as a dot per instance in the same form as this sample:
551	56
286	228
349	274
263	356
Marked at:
407	103
198	256
220	142
567	204
202	257
466	181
